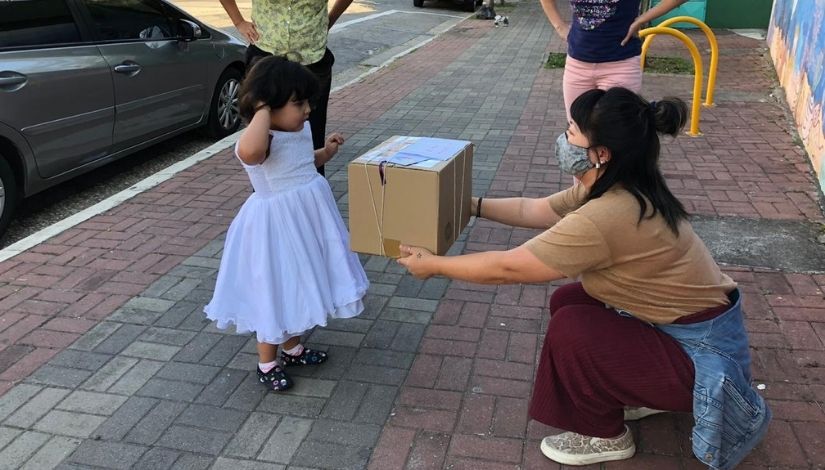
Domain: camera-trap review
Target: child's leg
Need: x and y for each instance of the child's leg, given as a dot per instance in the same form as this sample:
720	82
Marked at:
293	353
270	373
267	352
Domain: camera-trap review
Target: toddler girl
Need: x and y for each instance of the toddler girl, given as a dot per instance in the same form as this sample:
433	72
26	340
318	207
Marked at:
286	264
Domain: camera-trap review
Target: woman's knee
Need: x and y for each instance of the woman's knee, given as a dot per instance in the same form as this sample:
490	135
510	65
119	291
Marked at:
566	295
568	328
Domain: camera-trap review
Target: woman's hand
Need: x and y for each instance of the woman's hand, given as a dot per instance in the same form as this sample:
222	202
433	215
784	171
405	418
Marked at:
249	31
418	261
333	141
633	31
563	29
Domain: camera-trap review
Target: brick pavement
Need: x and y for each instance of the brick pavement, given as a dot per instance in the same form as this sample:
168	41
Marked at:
106	361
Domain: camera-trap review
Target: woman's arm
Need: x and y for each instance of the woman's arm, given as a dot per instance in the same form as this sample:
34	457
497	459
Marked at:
246	28
662	8
517	211
336	10
553	15
253	145
514	266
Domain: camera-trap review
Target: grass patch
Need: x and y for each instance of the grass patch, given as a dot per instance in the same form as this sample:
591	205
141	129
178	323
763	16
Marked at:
669	65
555	60
672	65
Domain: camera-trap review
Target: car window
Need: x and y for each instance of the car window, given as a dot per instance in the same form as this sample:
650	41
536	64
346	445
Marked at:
117	20
29	23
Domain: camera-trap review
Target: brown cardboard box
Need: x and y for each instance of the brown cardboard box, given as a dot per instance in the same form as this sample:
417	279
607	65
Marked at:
424	199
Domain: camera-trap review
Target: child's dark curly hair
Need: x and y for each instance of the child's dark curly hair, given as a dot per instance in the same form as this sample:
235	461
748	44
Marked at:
274	81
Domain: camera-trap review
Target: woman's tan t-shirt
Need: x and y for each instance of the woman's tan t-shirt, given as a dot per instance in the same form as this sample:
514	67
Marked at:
640	267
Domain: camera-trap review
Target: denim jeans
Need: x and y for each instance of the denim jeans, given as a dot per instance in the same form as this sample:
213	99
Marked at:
730	416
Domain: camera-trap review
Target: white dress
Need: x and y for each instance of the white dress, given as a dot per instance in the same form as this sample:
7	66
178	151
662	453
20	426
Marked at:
286	264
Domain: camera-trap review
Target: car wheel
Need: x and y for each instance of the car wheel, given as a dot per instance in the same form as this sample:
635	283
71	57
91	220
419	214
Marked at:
418	3
8	195
224	114
469	5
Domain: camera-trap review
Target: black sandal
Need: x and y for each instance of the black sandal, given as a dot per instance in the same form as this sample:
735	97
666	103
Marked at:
309	357
276	379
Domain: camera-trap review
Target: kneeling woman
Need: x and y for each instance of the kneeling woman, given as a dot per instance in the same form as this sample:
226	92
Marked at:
654	323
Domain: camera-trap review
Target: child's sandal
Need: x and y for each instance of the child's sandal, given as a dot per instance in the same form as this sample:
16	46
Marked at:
276	379
309	357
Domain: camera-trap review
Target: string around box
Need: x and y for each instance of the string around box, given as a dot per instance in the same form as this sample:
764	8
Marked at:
383	177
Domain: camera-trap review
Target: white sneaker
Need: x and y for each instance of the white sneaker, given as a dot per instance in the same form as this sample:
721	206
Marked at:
637	413
571	448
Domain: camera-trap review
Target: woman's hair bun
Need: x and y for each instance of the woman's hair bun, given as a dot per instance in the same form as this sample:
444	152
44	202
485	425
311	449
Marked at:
670	115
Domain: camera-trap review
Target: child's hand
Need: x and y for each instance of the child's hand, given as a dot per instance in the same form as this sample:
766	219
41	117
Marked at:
333	141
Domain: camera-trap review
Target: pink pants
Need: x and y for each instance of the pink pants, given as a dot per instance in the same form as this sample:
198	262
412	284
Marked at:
580	77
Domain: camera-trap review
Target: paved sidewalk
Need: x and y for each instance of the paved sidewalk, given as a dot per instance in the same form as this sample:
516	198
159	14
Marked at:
106	360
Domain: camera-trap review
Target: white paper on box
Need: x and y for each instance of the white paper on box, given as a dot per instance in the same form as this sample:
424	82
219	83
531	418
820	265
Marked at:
434	148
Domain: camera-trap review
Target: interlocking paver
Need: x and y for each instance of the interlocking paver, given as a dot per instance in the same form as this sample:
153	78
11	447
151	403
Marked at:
109	374
285	440
52	453
23	447
34	409
68	423
136	377
91	402
125	418
155	422
107	454
254	432
157	458
194	440
223	463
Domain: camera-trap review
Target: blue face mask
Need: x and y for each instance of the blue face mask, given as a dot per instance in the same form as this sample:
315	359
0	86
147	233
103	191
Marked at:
573	159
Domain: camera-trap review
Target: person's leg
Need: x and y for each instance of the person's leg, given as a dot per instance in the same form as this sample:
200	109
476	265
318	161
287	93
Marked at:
577	79
318	117
253	54
625	73
571	294
293	353
270	373
594	362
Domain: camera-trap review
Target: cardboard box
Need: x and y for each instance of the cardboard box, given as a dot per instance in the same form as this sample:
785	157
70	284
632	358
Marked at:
414	190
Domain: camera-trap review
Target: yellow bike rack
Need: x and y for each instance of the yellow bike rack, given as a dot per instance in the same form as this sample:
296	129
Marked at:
714	51
697	71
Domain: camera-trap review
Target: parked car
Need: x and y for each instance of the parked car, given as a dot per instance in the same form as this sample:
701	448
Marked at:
85	82
466	5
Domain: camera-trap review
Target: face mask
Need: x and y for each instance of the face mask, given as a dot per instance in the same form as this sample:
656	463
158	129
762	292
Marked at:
573	159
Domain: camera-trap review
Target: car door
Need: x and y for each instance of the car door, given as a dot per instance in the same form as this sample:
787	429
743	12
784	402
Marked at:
159	83
55	88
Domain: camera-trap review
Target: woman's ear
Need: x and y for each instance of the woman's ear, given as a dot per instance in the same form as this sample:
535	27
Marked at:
603	154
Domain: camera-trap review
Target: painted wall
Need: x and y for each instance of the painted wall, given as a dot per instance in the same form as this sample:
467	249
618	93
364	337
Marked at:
796	37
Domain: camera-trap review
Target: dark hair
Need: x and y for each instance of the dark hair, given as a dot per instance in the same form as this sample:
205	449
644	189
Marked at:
274	81
628	126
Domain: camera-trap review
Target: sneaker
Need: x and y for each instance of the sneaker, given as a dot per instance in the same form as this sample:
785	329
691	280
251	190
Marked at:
276	379
571	448
637	413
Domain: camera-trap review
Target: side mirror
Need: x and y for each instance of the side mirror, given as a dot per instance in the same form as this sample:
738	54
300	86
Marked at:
189	30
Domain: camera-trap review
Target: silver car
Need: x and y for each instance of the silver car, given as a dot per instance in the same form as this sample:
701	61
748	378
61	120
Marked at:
84	82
